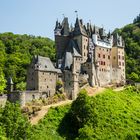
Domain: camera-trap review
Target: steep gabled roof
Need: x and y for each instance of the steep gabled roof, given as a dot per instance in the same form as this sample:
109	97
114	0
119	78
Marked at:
79	28
71	51
65	27
44	64
73	48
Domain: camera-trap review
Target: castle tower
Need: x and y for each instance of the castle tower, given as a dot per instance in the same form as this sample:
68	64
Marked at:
118	59
61	32
80	35
71	66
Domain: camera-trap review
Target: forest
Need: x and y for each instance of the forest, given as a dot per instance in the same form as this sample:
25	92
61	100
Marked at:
16	52
131	36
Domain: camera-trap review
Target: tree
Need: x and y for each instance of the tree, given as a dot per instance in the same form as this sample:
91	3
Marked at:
15	124
2	82
134	76
82	109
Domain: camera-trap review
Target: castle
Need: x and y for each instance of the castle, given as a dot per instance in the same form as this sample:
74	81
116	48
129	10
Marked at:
85	54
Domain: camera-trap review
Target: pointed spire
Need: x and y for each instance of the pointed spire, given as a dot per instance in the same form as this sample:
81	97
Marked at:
56	25
109	34
93	29
71	27
76	13
65	27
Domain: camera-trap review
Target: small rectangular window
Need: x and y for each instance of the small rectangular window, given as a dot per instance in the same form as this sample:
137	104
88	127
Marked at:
119	56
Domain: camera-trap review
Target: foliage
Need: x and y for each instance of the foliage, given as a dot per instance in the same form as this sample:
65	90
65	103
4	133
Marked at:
83	109
2	82
47	127
137	19
14	123
118	116
16	52
2	133
110	115
21	86
131	35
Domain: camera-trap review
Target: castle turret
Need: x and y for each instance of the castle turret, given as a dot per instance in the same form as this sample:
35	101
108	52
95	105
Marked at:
61	39
10	84
80	35
57	30
118	58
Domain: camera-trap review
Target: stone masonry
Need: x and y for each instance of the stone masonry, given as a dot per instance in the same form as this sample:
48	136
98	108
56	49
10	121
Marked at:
85	54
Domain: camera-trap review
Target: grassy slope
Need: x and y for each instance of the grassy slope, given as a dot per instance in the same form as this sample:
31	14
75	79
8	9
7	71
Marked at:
118	117
47	127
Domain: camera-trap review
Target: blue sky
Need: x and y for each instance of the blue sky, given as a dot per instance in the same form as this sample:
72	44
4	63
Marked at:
37	17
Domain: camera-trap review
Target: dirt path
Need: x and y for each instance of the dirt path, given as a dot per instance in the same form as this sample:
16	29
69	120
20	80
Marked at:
45	109
119	89
91	92
94	91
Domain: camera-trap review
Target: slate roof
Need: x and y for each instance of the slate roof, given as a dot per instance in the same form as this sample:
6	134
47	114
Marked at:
65	27
44	64
71	50
68	60
59	71
79	28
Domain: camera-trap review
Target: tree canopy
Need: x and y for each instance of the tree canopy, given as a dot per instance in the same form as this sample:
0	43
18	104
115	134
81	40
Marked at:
131	36
16	52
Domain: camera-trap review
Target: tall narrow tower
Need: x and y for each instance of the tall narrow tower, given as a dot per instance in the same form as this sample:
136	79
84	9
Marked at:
118	57
61	32
80	35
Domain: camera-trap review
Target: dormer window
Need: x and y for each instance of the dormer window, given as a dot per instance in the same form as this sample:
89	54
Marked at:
45	66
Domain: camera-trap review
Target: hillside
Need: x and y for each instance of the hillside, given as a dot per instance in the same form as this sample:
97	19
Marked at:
131	35
111	115
16	52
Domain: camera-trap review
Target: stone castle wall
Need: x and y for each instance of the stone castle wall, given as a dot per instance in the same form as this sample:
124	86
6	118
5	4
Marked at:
25	96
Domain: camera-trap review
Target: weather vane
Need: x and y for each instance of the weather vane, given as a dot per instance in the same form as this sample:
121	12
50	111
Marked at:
90	21
63	15
76	13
